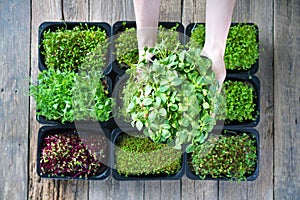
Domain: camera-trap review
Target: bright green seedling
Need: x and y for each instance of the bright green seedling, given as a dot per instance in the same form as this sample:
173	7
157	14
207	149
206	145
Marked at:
197	38
240	101
90	99
141	156
127	46
241	51
67	49
174	99
66	96
225	156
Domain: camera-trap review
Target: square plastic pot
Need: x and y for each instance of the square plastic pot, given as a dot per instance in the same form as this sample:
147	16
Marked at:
42	119
53	26
86	133
117	133
255	83
250	177
121	26
254	67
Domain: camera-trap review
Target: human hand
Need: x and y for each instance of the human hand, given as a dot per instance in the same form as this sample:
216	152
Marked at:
218	65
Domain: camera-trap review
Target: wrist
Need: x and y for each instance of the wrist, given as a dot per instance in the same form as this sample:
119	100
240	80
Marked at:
214	52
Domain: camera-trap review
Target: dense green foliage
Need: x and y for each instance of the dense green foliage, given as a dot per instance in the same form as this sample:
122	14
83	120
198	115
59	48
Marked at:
240	101
141	156
68	49
241	51
174	98
127	46
53	95
225	156
66	96
197	37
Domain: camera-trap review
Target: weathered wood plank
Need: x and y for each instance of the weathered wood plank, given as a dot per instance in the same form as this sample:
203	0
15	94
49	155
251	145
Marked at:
171	189
201	190
193	11
100	189
101	11
14	72
49	189
153	190
127	190
73	190
111	11
287	99
170	10
232	190
75	10
261	13
39	188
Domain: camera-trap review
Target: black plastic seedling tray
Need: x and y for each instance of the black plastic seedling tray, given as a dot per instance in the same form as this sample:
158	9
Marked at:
42	120
115	134
254	68
121	26
83	132
191	175
53	26
254	81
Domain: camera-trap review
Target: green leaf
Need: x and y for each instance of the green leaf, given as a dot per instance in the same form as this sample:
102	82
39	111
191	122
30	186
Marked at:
157	101
176	81
166	133
162	112
189	148
147	101
166	126
205	105
164	88
148	90
173	107
139	125
131	106
152	116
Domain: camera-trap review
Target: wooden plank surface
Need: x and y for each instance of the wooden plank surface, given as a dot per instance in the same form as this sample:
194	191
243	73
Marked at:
261	13
41	188
287	99
111	11
14	74
200	190
75	10
170	10
193	11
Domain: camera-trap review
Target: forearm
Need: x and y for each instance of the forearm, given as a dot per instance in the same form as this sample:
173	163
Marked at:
147	15
218	20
